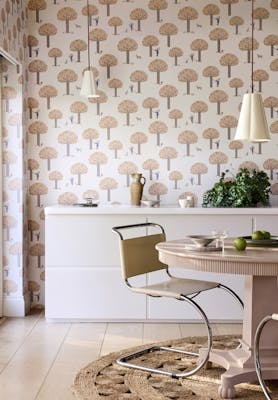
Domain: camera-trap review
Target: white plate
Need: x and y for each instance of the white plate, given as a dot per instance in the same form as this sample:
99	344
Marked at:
192	247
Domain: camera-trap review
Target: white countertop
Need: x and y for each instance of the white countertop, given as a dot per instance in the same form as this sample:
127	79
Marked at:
163	209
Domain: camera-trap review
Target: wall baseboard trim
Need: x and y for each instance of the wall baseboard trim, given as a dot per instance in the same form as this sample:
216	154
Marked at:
16	306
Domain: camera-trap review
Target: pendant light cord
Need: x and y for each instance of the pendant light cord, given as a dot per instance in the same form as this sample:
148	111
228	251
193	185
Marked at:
252	49
88	36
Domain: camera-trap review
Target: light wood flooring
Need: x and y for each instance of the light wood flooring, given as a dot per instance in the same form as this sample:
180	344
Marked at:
38	360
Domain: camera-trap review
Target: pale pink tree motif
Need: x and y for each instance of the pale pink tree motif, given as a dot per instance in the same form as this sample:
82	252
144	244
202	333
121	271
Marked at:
99	100
38	251
55	53
127	45
127	168
108	3
168	153
67	76
115	22
158	5
199	169
16	250
98	35
138	138
48	154
127	107
246	44
34	289
16	186
38	128
236	145
218	34
79	169
32	104
229	4
198	108
175	115
108	61
33	165
78	45
90	11
67	14
98	158
55	176
229	60
67	138
217	158
210	134
175	52
175	176
274	127
228	122
8	158
33	226
158	66
48	92
218	97
274	65
115	145
47	30
150	103
78	107
260	75
158	128
158	189
108	184
67	198
90	134
188	138
9	222
271	164
236	21
138	14
138	77
168	29
211	10
115	84
108	122
260	14
56	115
271	102
211	72
236	83
150	41
188	75
188	14
150	165
32	41
168	91
37	6
199	45
271	41
38	189
37	67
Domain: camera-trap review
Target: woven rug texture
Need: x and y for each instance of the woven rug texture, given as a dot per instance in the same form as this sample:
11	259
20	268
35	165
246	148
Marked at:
104	379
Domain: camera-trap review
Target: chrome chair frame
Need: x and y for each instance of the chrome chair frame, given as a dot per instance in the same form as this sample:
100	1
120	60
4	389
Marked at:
124	360
264	321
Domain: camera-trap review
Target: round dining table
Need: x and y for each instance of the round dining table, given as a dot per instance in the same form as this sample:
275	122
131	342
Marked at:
259	265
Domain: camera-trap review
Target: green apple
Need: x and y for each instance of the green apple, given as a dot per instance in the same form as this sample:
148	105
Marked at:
266	234
240	243
257	235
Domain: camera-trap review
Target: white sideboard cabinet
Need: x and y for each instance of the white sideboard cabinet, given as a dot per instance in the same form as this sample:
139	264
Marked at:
83	277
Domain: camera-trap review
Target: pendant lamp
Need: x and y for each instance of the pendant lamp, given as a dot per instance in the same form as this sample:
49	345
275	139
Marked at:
252	123
88	87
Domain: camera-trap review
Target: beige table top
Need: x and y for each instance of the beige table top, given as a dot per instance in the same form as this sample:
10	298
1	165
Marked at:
253	261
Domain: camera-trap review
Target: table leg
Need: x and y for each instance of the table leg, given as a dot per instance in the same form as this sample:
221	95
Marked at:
260	299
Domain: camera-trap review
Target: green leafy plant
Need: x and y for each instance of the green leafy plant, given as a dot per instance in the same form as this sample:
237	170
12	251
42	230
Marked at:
246	189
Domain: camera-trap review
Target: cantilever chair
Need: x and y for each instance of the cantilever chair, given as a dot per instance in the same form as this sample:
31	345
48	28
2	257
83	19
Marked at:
138	257
258	366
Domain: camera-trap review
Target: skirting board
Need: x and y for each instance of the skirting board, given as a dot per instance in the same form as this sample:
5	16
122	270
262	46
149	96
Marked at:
16	306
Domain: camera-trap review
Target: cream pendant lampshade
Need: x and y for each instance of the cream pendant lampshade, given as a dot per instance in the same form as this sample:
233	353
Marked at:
252	124
88	87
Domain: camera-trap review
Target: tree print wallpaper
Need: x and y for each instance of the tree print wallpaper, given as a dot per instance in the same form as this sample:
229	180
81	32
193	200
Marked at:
170	76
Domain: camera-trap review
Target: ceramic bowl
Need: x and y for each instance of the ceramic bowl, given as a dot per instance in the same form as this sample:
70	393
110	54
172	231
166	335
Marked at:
201	240
149	203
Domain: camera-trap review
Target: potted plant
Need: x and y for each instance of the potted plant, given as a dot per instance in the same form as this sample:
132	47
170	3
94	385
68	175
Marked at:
246	189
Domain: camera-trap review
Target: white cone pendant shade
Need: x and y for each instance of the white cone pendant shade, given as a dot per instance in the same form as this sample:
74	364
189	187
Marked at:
252	124
88	88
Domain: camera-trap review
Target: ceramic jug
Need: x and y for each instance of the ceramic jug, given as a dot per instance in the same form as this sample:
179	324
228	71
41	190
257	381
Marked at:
136	188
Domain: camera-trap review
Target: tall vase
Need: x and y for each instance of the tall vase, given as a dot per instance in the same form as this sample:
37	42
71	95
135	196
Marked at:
136	188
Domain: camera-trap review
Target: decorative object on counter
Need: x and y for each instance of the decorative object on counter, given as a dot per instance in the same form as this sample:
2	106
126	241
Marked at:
89	203
252	123
136	188
150	203
187	202
247	189
202	240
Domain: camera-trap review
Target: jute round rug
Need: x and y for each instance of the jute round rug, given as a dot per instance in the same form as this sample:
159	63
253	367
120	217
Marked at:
104	379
